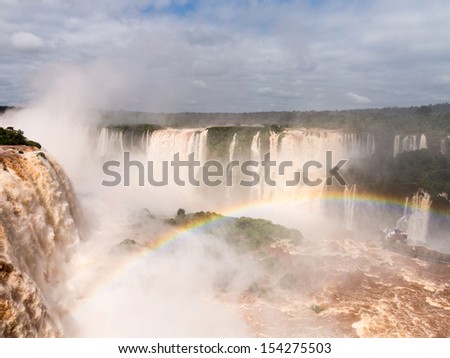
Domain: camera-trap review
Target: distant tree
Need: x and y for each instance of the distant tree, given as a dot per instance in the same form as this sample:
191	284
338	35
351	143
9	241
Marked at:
11	136
3	109
181	213
424	110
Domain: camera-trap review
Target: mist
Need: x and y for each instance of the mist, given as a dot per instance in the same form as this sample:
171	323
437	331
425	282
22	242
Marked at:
171	292
199	284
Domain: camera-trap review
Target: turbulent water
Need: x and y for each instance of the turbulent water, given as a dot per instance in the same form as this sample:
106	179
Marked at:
39	223
336	283
345	287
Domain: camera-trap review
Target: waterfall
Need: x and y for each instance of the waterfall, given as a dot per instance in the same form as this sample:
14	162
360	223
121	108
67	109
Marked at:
423	142
267	190
354	143
419	217
297	146
396	145
255	155
109	141
349	206
409	143
413	143
370	144
255	148
231	148
203	146
145	140
230	189
39	221
402	223
443	148
273	140
165	143
416	223
162	144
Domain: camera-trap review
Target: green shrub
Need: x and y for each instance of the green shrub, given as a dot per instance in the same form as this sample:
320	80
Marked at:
11	136
317	309
245	233
41	155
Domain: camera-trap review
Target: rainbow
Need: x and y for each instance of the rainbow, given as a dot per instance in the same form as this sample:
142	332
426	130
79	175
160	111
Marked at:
181	232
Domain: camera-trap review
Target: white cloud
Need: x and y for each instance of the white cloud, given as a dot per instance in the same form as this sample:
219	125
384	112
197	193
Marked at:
358	98
248	56
443	79
26	41
199	84
269	91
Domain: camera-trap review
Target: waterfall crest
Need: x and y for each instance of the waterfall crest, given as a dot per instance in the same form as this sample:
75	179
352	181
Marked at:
295	145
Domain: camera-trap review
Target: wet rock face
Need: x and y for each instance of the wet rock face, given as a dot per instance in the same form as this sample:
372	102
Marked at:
39	220
23	312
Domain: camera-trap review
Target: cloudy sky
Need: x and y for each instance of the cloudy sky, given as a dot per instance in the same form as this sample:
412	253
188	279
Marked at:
237	55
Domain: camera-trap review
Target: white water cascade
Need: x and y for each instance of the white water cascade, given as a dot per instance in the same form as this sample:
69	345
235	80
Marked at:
267	191
396	145
232	148
370	144
255	155
296	146
255	148
203	146
423	142
39	221
349	206
419	217
233	174
402	223
109	141
409	143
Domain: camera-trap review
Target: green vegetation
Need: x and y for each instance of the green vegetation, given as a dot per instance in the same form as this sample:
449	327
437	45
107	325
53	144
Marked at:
11	136
317	309
191	219
257	233
220	138
41	155
245	233
411	119
128	246
403	175
136	129
258	289
132	134
3	109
